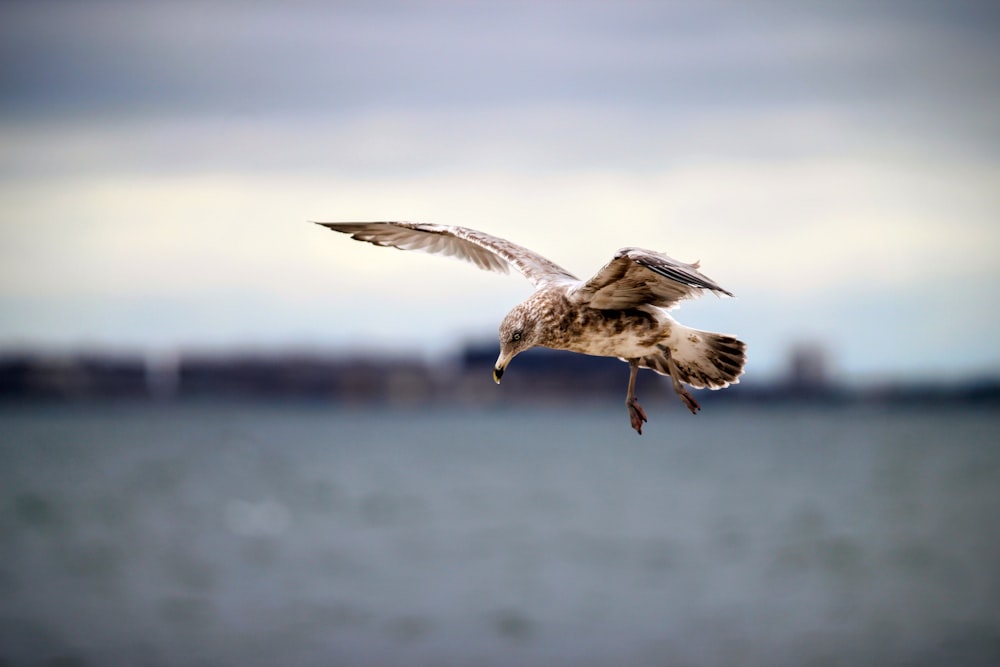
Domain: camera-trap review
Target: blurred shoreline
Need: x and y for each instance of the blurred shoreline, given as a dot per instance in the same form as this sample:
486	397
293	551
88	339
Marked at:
539	376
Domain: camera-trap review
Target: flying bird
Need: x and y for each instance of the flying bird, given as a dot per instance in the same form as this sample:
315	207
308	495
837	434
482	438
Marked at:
620	312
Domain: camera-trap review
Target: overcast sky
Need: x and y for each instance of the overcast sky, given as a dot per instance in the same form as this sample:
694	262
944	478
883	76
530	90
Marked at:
836	165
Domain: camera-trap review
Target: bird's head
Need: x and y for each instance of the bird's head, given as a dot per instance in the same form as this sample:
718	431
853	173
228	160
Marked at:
518	332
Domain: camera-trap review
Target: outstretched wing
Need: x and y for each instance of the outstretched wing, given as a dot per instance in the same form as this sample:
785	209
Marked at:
637	277
485	251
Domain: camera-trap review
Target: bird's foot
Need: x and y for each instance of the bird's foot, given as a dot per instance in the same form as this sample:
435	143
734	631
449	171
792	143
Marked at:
689	401
636	414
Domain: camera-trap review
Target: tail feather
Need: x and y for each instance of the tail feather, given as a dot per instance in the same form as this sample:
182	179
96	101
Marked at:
703	359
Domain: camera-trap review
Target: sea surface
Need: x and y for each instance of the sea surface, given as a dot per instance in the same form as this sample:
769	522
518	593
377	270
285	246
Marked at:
313	535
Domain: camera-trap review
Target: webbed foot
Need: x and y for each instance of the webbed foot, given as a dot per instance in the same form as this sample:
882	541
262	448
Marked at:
636	414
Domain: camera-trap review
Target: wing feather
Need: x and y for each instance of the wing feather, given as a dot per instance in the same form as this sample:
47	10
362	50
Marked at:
636	277
488	252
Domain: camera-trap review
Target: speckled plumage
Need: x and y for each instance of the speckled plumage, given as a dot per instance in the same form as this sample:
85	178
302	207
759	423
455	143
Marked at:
620	312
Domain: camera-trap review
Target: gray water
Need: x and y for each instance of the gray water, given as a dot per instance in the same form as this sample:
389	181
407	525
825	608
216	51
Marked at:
297	535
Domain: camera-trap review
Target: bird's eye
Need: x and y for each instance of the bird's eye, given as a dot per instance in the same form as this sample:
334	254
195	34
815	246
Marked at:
516	336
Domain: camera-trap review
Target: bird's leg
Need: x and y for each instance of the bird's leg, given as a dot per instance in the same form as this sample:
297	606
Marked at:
683	393
635	412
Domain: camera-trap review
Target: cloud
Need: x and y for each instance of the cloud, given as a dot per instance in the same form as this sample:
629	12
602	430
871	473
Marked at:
824	161
121	58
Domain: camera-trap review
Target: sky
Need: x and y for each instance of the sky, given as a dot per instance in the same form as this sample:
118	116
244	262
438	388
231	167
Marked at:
835	165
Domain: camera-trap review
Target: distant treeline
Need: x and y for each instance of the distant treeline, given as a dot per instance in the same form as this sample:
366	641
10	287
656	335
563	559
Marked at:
536	376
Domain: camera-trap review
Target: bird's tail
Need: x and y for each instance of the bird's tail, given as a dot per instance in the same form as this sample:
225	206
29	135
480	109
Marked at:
701	359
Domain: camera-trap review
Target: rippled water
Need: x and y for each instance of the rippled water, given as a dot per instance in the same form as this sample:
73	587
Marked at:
267	535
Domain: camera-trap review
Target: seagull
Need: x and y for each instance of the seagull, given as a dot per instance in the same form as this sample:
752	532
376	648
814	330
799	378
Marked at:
620	312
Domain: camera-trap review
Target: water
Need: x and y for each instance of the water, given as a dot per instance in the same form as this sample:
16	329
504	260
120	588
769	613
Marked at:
306	535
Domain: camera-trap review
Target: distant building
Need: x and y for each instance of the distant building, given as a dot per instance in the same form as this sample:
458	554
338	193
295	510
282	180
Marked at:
808	369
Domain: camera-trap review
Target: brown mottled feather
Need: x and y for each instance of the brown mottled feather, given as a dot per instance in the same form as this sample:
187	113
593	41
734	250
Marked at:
638	277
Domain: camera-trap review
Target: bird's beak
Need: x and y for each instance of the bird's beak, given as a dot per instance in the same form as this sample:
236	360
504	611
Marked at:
501	365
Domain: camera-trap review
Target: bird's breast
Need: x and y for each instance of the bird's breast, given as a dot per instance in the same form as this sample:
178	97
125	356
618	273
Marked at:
610	333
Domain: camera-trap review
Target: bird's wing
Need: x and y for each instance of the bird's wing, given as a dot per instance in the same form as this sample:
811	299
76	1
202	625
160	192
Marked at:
637	277
485	251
